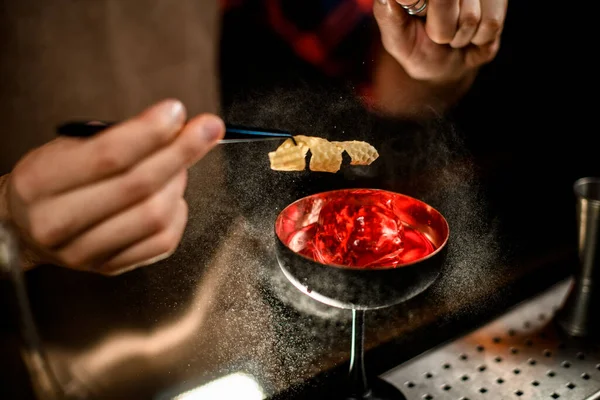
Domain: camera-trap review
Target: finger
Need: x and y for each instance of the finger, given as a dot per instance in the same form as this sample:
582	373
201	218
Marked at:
151	250
137	223
71	162
477	56
468	21
442	20
415	5
493	13
58	219
395	25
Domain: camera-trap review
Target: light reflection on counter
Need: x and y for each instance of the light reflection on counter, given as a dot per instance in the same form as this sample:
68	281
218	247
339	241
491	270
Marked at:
230	387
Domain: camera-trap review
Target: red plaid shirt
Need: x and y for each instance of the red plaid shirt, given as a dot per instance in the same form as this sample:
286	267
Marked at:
318	31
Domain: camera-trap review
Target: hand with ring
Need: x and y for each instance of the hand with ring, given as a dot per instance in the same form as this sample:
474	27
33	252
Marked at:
441	41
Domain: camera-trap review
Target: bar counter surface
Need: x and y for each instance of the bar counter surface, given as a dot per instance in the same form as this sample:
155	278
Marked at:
220	308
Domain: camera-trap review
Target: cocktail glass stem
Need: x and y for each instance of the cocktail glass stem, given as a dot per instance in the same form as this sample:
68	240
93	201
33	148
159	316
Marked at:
358	377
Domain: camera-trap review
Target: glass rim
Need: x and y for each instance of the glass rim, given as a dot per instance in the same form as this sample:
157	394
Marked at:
583	182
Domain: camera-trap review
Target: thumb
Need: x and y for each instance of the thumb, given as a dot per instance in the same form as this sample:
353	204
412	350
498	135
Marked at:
397	27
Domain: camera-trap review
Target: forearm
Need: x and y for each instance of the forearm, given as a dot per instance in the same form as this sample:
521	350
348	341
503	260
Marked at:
396	93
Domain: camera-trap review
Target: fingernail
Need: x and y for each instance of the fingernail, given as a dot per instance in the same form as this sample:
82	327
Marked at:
384	2
171	109
212	128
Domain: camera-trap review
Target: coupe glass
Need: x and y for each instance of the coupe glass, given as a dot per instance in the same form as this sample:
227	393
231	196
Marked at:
309	256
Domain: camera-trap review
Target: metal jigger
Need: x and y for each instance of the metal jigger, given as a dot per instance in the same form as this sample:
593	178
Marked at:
579	315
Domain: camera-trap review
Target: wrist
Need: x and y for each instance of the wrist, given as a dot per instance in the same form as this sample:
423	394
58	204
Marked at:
399	94
4	213
450	92
28	257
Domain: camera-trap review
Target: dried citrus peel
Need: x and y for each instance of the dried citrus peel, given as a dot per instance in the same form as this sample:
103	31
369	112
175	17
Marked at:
326	156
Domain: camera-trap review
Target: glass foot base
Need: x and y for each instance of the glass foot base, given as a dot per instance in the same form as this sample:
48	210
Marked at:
380	390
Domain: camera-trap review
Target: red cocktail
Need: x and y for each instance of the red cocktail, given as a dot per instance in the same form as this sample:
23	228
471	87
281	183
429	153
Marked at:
361	249
360	228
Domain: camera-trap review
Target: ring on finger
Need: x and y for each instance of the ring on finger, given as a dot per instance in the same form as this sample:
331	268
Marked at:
416	8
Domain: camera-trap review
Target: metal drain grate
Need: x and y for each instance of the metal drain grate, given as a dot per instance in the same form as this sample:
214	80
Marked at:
518	356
